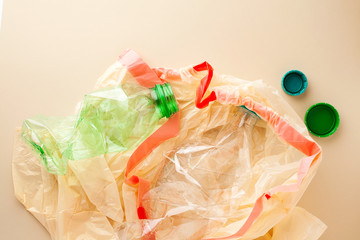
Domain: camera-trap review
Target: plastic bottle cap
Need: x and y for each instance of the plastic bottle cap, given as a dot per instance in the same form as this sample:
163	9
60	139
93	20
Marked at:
322	119
165	99
294	82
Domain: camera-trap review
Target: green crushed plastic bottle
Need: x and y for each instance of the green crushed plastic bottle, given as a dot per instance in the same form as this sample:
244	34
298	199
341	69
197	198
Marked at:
110	120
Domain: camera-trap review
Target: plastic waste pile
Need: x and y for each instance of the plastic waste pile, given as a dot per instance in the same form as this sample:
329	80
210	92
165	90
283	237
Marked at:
156	153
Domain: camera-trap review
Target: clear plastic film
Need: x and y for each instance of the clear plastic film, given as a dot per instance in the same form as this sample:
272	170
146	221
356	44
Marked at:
199	172
233	164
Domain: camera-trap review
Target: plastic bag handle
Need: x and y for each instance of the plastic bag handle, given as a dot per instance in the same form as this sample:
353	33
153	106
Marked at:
168	74
146	77
200	101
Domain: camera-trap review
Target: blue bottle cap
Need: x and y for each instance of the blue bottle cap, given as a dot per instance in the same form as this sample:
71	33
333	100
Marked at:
294	82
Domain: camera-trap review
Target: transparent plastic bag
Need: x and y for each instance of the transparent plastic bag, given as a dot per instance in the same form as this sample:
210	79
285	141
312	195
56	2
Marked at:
231	165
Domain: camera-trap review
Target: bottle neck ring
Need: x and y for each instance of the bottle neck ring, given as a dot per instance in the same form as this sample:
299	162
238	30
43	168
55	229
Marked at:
165	99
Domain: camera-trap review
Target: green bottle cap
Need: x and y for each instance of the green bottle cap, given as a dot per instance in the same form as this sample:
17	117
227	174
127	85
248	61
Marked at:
294	82
165	99
322	119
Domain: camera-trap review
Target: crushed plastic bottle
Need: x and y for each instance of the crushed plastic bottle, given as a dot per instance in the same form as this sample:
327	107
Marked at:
110	120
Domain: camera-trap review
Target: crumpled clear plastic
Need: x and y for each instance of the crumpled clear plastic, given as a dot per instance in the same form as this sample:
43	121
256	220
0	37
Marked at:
235	170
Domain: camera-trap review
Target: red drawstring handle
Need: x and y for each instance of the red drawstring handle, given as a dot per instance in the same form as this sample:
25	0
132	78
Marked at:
204	84
166	74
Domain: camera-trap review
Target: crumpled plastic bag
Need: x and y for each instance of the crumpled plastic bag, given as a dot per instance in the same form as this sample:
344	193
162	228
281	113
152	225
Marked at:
232	164
298	224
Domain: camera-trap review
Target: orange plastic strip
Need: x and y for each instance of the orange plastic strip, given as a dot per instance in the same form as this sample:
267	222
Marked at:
146	77
169	130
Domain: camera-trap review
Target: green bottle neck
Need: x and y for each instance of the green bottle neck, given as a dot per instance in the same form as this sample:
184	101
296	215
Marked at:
165	99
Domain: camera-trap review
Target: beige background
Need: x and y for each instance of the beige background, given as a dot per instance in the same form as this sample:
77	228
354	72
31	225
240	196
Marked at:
51	53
